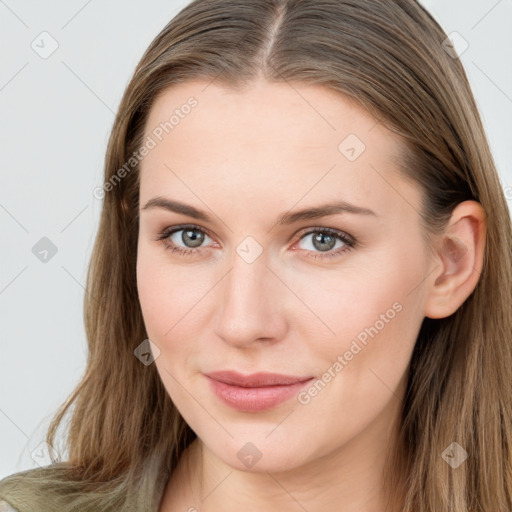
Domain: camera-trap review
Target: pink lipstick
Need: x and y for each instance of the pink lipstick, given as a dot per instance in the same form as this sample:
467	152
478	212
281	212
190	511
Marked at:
254	392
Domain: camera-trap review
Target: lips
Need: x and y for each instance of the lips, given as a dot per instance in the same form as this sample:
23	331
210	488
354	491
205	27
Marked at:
255	392
255	380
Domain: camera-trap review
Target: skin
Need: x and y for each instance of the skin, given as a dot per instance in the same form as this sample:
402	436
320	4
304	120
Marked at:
245	158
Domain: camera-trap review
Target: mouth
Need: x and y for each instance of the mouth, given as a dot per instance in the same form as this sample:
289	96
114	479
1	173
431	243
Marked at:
255	392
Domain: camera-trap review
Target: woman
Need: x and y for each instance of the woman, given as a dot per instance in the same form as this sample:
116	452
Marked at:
344	347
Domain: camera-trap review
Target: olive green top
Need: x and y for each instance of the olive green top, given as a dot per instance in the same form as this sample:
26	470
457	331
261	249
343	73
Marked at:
41	490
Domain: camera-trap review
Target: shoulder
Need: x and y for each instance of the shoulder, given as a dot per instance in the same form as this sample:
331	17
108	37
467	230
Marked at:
26	490
59	487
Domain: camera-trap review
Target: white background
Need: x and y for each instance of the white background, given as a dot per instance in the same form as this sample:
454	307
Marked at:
56	117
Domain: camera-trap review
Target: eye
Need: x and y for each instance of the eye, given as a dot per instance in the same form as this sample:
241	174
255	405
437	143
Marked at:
324	240
191	236
320	246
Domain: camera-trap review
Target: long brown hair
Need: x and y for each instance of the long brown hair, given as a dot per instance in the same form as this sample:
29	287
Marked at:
125	432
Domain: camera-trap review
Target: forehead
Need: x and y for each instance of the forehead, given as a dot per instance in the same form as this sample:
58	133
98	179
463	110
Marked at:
279	141
267	113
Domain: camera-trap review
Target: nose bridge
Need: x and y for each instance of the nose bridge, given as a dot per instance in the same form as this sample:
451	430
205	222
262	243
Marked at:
249	306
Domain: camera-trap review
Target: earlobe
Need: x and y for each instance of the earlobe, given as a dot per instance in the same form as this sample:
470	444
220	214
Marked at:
459	260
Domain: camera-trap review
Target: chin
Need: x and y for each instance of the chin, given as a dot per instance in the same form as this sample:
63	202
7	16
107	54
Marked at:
261	455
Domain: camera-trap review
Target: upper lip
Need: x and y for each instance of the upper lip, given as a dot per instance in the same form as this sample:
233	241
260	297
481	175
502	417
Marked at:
255	380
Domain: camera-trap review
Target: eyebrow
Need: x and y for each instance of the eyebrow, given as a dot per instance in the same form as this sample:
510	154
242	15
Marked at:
283	219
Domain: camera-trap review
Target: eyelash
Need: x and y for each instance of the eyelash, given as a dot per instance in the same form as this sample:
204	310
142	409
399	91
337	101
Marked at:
348	240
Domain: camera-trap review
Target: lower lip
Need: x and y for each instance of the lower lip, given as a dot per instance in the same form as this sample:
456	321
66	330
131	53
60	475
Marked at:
255	399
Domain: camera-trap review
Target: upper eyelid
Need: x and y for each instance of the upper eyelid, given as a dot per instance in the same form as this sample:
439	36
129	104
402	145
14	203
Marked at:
181	227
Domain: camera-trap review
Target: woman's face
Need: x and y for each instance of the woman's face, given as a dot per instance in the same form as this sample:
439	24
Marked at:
247	283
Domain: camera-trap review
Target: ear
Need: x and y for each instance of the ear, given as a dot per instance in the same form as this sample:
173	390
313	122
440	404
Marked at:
458	260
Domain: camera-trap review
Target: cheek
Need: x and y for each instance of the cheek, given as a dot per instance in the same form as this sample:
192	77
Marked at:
171	296
377	295
376	315
167	295
375	312
158	289
151	284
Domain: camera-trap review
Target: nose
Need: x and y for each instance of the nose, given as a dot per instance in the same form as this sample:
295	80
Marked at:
251	304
